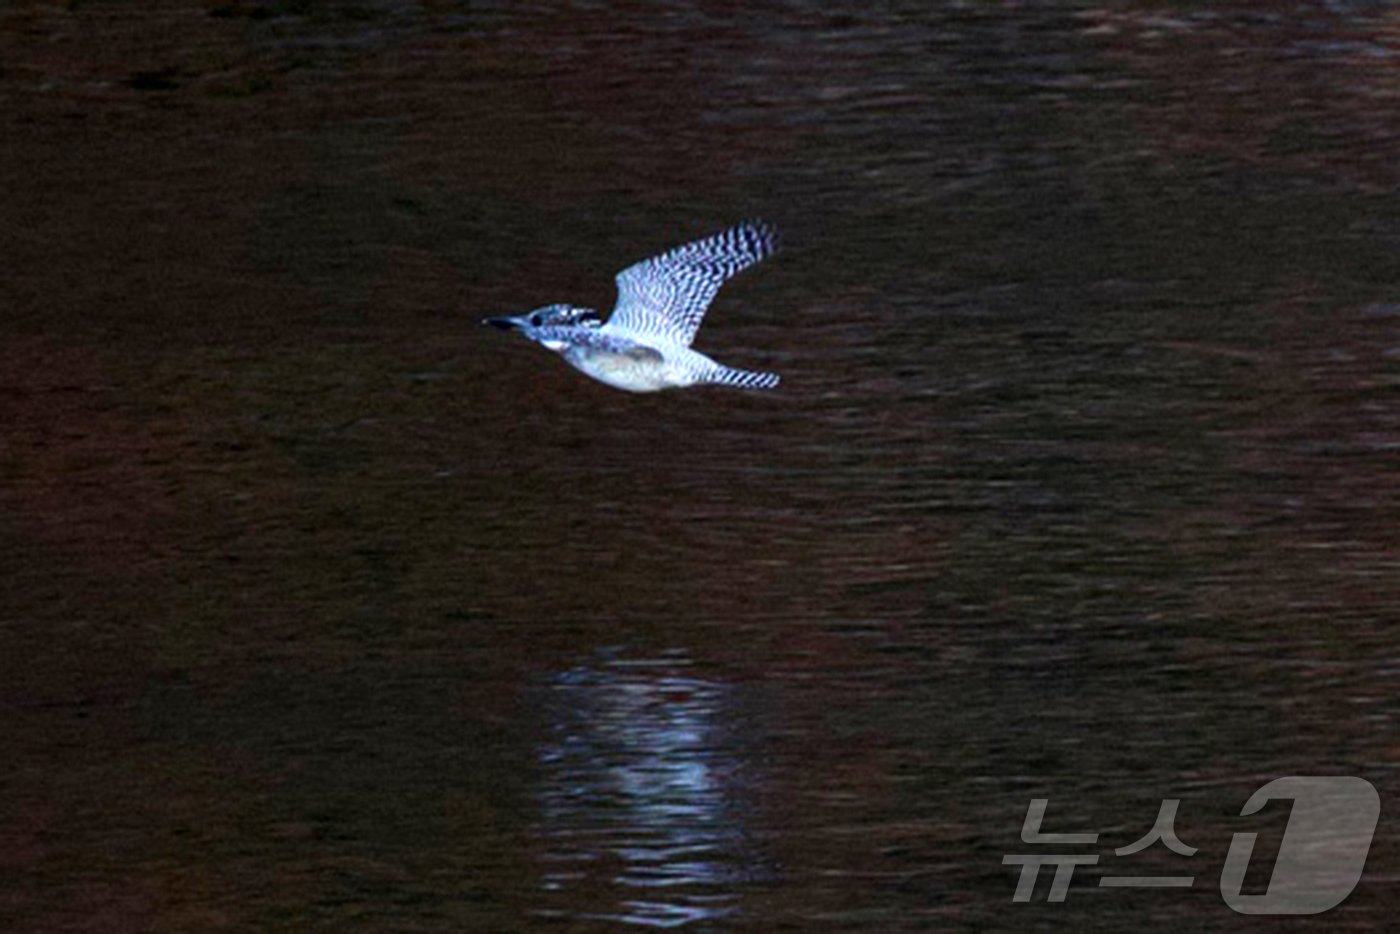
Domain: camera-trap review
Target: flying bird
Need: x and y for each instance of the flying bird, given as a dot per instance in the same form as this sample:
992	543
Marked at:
645	343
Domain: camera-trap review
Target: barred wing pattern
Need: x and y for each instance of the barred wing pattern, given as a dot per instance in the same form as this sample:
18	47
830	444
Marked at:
667	296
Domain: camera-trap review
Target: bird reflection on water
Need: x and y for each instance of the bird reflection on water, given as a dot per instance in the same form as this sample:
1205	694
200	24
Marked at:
638	796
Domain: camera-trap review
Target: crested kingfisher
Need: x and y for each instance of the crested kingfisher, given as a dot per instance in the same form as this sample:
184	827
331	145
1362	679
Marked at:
645	343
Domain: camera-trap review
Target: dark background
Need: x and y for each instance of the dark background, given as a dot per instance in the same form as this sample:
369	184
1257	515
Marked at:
323	608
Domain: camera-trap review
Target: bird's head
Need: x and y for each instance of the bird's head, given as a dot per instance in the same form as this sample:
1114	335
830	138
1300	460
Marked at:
540	324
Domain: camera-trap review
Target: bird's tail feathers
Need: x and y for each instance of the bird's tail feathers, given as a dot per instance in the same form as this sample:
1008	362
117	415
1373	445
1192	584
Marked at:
743	379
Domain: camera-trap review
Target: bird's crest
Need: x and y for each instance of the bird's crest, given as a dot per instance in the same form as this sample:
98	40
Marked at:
564	316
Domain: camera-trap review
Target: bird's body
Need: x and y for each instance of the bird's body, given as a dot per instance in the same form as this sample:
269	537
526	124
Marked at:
645	344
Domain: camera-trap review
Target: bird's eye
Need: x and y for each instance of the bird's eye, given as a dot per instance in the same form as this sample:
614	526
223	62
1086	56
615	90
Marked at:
535	320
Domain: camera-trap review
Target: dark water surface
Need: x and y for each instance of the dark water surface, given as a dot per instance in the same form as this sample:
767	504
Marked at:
324	608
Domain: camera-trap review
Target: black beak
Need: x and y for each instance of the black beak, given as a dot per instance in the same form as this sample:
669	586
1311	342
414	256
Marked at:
505	324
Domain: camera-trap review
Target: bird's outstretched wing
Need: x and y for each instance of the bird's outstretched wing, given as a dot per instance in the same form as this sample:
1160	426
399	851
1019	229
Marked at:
666	296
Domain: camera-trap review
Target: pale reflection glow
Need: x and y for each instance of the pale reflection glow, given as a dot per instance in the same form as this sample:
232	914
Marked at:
637	803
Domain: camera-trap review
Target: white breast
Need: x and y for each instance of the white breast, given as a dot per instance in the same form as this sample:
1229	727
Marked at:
634	372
